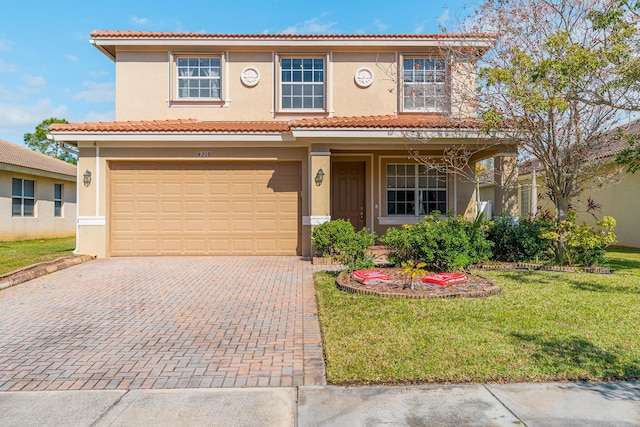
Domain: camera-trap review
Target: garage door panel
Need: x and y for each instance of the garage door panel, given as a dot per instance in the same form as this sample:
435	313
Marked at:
205	208
170	207
170	225
240	207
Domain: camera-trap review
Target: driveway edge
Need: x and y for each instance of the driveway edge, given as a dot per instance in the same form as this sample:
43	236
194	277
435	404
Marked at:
36	270
313	355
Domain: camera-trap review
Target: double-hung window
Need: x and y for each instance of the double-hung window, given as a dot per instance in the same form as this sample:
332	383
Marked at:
302	83
23	198
199	78
415	189
57	200
424	83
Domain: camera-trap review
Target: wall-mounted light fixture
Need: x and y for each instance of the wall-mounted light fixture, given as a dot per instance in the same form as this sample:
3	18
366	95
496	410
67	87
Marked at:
86	178
319	177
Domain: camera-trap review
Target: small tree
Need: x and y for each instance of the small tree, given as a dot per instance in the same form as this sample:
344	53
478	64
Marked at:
38	141
558	76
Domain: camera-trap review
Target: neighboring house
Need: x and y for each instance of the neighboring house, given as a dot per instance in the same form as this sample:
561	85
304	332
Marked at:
239	144
617	199
37	195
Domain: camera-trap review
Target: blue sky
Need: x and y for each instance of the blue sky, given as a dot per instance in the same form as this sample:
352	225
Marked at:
49	69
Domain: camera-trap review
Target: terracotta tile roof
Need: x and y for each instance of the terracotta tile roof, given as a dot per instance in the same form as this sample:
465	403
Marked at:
12	154
196	126
611	144
109	34
173	126
386	122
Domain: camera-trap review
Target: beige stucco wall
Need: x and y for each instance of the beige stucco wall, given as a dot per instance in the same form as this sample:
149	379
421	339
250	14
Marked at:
146	81
618	200
43	224
622	202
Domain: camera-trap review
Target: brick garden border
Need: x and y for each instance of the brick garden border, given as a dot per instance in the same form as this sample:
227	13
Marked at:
36	270
542	267
343	286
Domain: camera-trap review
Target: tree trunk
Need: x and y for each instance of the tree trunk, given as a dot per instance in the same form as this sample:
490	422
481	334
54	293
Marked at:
562	207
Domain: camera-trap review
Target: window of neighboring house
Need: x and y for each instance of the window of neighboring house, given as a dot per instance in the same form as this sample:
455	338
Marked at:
424	83
23	198
415	189
525	201
57	200
199	78
302	84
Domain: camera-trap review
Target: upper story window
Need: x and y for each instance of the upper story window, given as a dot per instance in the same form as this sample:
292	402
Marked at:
424	84
415	189
302	83
57	200
199	78
23	197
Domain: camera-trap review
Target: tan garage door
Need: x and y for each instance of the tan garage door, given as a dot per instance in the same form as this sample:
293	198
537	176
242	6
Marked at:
204	208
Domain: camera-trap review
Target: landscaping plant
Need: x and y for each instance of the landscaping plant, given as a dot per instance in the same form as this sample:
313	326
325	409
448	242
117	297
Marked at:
582	244
524	240
446	244
339	240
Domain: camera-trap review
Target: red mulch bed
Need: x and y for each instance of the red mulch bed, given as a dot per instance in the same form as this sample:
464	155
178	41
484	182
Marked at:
476	286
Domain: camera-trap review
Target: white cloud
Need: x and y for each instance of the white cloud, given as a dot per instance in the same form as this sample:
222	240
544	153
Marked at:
23	118
5	44
139	21
443	19
72	58
99	73
95	116
379	25
34	80
7	68
97	92
312	26
419	29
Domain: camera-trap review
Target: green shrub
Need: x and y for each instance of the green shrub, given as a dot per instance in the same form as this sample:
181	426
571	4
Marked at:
339	240
442	244
328	237
522	240
582	244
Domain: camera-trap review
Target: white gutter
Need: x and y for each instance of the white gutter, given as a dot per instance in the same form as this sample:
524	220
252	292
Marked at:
103	50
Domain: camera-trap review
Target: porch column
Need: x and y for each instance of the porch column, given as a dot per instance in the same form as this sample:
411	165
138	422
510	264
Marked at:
320	179
506	184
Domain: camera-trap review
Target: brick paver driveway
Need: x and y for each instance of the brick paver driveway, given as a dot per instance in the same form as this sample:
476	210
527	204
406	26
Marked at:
170	322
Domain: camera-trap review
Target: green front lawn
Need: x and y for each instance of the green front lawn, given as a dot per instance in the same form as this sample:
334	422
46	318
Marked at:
16	255
542	327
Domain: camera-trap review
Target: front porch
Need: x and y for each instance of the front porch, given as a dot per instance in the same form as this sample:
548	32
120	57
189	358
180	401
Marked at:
382	189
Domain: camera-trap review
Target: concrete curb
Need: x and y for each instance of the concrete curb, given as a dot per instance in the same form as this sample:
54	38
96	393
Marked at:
36	270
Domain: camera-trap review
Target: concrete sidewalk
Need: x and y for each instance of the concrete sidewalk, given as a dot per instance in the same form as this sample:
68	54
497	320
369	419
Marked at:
554	404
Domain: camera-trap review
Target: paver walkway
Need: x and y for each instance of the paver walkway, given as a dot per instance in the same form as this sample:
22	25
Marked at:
169	322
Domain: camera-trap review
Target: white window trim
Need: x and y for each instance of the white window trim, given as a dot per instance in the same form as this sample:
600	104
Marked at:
416	189
22	198
401	58
61	200
381	205
175	101
277	90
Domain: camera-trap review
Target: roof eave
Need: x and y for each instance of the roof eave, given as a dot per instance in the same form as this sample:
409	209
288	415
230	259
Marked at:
73	138
108	45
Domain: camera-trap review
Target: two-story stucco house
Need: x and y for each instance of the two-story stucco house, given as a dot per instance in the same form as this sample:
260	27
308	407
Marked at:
239	144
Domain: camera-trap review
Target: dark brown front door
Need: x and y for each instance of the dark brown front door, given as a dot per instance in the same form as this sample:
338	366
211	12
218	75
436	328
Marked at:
347	192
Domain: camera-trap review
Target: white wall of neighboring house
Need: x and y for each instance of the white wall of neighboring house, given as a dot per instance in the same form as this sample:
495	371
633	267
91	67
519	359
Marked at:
43	224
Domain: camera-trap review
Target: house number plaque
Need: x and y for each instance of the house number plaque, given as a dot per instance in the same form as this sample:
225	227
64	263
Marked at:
203	154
